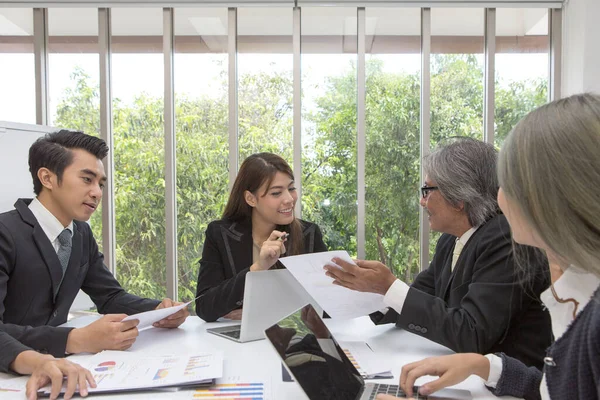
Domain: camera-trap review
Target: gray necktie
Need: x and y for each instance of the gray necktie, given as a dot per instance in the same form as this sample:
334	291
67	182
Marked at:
64	252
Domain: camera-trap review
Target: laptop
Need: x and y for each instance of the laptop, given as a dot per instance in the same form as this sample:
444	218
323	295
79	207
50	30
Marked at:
316	361
268	296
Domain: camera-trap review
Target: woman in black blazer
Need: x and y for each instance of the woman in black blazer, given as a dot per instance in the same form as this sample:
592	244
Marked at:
258	227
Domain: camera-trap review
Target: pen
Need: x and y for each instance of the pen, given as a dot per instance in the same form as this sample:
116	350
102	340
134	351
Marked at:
283	237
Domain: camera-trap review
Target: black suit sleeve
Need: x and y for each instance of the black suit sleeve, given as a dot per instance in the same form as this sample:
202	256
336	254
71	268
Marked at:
218	295
11	348
494	293
104	290
424	282
319	245
46	339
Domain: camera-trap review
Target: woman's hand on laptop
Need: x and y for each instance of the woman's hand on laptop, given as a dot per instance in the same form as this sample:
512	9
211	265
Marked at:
451	370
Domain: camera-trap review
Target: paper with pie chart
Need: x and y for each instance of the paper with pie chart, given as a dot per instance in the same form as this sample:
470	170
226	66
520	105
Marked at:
116	371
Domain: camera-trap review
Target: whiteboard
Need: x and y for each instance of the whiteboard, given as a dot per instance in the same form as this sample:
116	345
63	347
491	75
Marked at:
15	181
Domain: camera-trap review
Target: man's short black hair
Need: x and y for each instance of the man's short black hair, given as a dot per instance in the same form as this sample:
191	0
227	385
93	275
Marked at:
53	151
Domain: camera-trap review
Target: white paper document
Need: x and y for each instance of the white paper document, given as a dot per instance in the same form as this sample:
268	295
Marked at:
364	360
13	388
147	318
337	301
117	371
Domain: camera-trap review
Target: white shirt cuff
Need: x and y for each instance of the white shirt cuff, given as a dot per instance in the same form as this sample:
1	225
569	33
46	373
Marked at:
495	370
396	295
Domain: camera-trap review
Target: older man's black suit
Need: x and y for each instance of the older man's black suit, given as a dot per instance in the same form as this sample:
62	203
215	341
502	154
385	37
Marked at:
226	259
483	306
30	272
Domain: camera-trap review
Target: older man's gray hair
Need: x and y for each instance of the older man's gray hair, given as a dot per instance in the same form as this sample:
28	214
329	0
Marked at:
465	170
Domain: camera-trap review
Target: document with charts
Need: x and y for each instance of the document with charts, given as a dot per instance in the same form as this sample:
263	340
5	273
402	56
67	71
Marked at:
337	301
116	371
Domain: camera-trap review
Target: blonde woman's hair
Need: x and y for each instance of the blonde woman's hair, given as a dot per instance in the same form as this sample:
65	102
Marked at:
550	167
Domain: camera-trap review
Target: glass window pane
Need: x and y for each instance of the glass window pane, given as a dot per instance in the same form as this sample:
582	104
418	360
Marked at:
265	87
393	63
17	65
329	185
456	73
201	108
522	46
138	91
457	66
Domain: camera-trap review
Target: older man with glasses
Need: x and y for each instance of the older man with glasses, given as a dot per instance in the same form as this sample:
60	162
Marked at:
473	297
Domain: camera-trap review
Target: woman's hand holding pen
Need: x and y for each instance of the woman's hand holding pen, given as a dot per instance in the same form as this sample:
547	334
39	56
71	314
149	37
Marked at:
270	251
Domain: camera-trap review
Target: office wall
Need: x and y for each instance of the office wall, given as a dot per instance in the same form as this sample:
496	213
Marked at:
581	51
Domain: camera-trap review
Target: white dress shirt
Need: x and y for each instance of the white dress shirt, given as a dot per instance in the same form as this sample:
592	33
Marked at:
396	294
574	283
49	223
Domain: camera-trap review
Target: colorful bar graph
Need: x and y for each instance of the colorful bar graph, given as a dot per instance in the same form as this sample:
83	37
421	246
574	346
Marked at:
232	391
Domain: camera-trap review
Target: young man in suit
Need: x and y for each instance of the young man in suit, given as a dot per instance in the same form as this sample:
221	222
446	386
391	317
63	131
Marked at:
47	253
472	297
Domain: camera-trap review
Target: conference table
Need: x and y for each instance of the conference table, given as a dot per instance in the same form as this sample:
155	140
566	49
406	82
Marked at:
258	362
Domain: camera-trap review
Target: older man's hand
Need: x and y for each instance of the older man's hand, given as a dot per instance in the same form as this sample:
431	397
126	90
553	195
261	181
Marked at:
365	276
174	320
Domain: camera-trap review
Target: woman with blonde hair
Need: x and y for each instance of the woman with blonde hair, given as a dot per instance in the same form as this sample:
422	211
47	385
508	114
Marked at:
258	227
549	174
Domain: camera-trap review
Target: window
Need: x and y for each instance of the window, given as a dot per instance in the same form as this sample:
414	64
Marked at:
201	108
329	184
17	65
138	76
265	87
393	65
521	65
456	73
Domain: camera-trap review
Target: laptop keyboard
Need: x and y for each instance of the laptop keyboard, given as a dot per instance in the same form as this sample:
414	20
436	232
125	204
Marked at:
394	390
233	334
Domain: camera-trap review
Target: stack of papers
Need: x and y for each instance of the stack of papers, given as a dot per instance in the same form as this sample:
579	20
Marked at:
363	359
117	371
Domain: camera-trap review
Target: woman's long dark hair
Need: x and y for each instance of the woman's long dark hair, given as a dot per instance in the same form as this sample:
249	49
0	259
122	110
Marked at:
254	172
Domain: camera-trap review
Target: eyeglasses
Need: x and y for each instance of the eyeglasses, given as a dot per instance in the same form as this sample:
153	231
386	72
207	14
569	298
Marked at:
425	190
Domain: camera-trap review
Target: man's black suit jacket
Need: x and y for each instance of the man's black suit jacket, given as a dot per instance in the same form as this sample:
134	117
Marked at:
485	305
30	271
11	348
227	258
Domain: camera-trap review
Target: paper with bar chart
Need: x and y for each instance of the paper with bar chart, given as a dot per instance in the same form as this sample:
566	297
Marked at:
363	359
234	388
116	371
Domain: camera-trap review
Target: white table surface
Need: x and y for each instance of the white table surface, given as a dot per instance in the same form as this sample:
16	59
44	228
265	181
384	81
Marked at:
258	361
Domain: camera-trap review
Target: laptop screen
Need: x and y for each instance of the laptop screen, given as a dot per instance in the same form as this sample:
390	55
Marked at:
314	357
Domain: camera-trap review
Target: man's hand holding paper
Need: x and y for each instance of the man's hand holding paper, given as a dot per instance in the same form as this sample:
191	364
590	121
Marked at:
363	276
337	300
175	319
168	314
